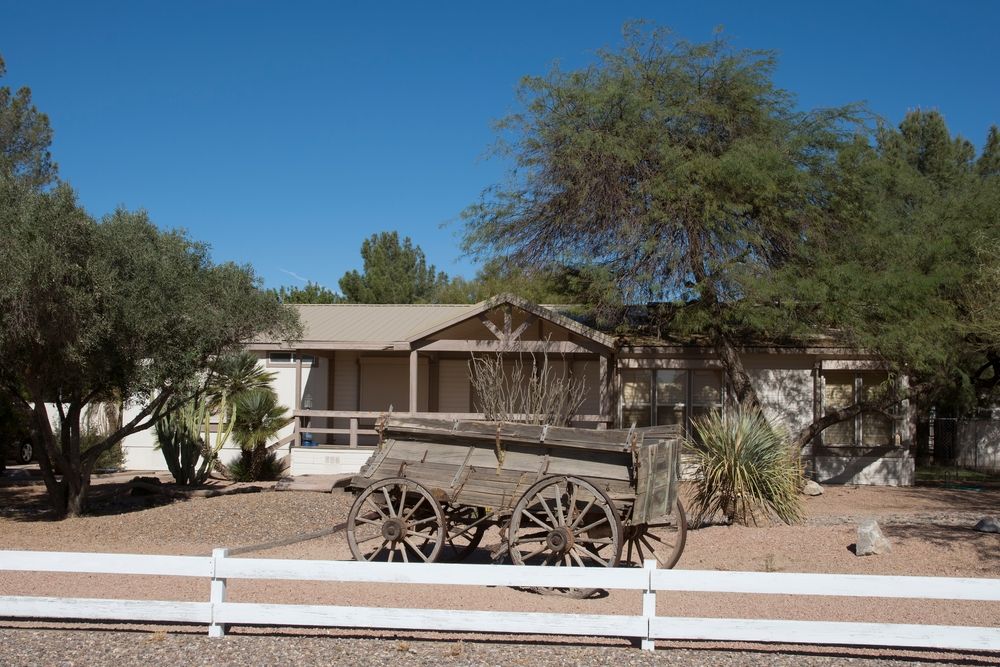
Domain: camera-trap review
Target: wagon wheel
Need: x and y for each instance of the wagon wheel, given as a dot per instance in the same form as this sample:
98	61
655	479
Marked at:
466	526
565	522
662	539
396	519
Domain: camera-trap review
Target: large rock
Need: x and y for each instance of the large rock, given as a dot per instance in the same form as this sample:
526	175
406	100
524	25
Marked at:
871	540
988	524
811	488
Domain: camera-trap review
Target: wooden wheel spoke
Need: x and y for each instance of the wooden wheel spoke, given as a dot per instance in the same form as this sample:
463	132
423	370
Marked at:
426	536
388	501
369	538
582	514
581	531
412	509
362	519
402	500
416	550
656	537
571	507
537	520
595	540
579	561
548	510
638	549
420	522
379	550
559	507
532	554
591	554
378	508
531	540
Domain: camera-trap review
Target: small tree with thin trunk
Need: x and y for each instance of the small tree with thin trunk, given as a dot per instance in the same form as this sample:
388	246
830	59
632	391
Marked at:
112	309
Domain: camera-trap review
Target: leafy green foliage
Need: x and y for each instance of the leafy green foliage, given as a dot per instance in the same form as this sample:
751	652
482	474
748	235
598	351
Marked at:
235	374
746	470
271	468
394	272
311	293
178	436
115	308
679	170
908	269
25	137
260	420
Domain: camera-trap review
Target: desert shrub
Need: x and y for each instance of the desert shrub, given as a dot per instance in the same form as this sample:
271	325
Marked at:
272	468
110	459
747	470
525	389
179	438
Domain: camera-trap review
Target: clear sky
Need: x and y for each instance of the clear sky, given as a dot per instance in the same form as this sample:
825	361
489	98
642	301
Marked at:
284	133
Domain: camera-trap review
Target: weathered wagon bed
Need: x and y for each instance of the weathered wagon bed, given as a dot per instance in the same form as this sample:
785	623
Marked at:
561	496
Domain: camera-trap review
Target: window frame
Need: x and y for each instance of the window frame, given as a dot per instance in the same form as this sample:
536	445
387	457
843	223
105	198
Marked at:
688	402
858	420
308	360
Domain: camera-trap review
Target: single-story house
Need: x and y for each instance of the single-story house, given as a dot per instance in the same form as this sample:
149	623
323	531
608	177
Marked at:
357	361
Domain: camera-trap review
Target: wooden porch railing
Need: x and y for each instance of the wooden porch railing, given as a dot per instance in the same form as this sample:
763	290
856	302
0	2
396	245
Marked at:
355	429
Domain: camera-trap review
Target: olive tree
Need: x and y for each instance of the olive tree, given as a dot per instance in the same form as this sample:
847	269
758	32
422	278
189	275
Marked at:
110	310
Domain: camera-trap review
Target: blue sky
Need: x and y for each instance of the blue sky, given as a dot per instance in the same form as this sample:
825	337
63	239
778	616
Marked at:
283	134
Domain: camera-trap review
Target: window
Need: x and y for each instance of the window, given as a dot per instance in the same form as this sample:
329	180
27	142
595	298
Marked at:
664	397
289	359
844	388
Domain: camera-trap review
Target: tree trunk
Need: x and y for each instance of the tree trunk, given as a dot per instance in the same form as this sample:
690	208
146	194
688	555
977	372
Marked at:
257	460
736	373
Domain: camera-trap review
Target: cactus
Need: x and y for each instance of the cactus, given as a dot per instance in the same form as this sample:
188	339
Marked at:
183	437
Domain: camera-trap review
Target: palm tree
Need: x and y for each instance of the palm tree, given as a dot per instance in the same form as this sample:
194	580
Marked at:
259	419
235	374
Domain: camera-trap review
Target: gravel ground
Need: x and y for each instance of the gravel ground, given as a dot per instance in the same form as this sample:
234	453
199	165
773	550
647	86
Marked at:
930	530
121	649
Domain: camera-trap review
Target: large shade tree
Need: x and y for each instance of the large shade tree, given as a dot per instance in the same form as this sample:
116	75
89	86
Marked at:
111	310
678	169
25	137
394	272
908	269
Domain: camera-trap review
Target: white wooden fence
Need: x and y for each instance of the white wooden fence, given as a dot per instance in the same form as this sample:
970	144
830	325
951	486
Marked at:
217	612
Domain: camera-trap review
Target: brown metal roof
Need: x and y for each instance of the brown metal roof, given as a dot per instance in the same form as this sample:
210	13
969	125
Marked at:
378	326
374	323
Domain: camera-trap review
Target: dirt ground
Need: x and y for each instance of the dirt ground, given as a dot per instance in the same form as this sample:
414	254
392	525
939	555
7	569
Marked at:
930	530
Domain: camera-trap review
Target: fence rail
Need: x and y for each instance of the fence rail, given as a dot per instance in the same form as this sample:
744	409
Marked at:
218	613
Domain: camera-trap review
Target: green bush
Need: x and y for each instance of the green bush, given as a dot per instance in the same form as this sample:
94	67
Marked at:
110	459
272	468
746	469
179	438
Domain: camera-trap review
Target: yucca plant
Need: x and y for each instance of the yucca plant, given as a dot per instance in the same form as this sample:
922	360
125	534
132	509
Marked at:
746	469
259	420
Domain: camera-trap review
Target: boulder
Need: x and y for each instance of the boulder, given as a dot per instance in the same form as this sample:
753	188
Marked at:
988	524
871	540
811	488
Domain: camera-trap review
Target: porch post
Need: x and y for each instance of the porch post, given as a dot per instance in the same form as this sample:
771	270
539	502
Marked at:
604	393
413	380
298	398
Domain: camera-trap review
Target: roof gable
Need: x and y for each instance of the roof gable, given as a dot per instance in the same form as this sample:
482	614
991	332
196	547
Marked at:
383	326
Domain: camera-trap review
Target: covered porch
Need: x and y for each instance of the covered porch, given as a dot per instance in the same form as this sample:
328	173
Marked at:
357	362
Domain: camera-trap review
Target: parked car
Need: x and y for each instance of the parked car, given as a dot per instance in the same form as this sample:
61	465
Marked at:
20	450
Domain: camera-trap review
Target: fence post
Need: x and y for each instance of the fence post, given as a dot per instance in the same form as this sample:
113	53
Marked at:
649	604
218	593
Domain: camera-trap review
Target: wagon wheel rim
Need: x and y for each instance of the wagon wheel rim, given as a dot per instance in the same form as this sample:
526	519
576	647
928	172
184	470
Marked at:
466	526
663	540
396	520
565	522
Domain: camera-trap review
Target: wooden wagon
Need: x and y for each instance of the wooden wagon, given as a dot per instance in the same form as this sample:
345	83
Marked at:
560	496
